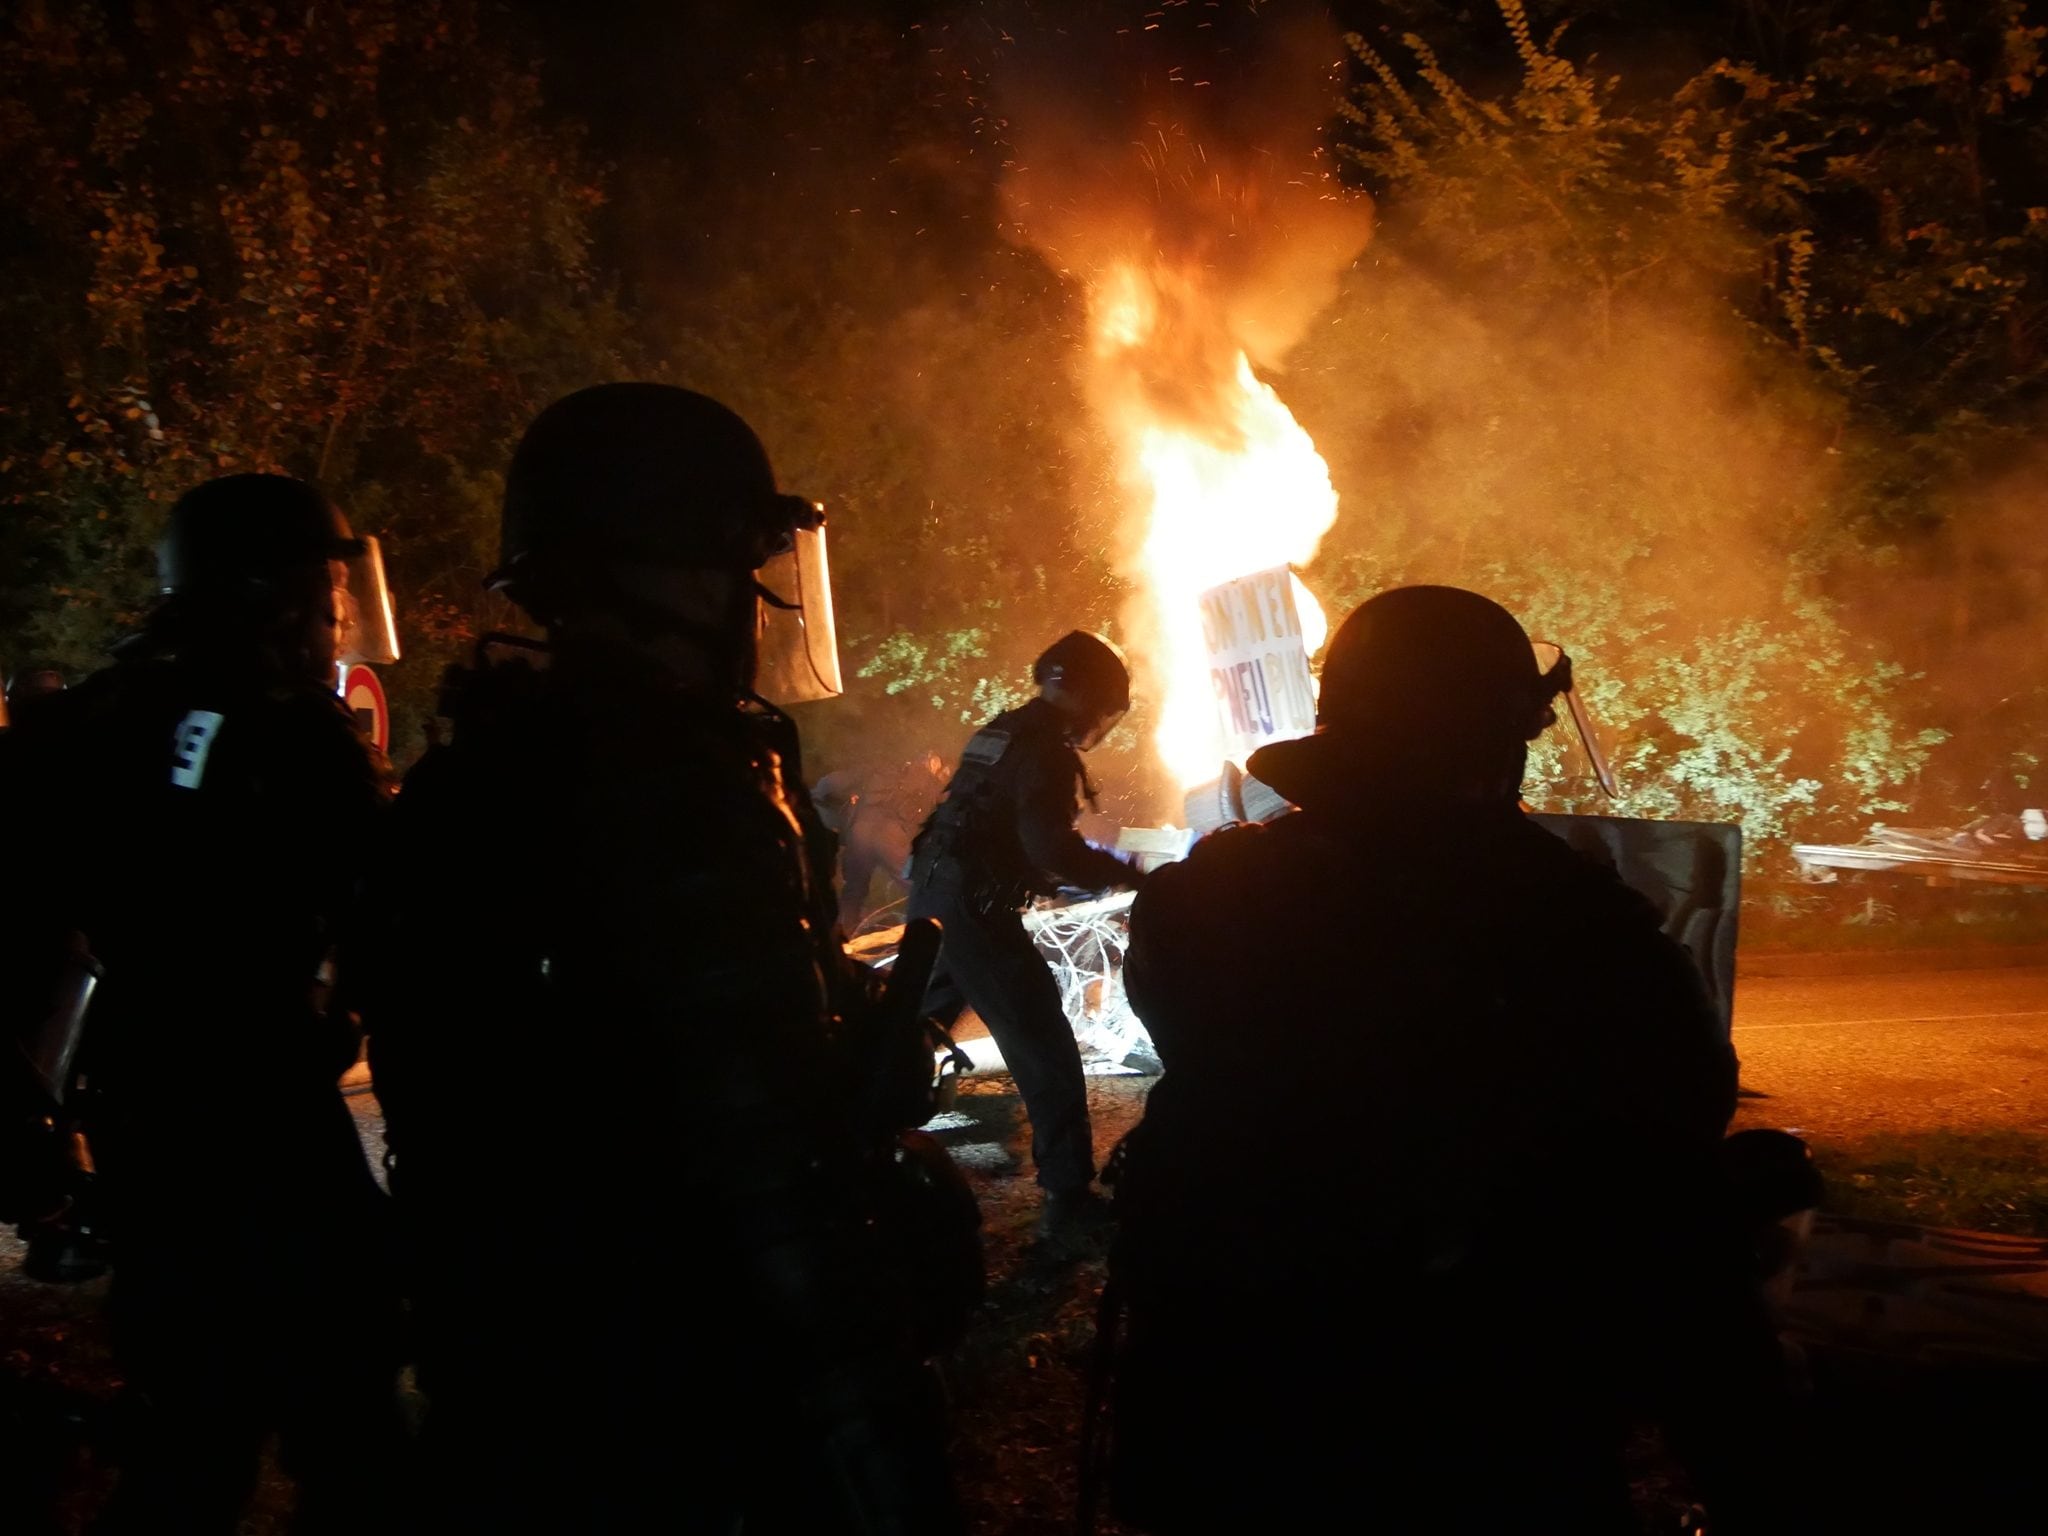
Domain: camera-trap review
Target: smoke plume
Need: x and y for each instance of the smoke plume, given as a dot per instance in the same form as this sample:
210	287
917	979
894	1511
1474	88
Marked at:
1190	150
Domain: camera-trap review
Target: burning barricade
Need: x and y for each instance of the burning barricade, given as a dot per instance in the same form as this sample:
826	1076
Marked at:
1202	256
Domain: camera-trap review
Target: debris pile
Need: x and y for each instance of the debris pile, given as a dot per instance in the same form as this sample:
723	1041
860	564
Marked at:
2003	848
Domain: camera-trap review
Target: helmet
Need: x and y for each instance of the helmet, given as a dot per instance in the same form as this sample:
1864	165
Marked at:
1085	670
645	474
241	530
1448	669
245	554
33	683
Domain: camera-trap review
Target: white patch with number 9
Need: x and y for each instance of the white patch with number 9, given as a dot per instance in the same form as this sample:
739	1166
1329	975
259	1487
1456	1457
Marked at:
190	743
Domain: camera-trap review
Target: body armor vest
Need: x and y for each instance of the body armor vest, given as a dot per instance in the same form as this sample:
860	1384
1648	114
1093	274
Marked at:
969	843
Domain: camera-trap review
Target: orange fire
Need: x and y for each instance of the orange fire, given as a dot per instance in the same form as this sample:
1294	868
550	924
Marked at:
1230	482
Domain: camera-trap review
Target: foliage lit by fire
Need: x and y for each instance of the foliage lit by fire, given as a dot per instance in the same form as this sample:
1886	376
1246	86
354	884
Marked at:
1716	346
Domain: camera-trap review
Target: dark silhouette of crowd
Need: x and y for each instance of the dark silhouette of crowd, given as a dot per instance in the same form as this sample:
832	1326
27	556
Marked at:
1415	1266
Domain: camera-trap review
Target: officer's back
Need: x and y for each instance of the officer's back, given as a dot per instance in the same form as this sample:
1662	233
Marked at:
202	823
1451	1085
203	810
1015	771
608	1011
1463	999
630	905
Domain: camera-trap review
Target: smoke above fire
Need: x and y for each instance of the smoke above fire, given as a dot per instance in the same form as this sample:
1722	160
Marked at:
1180	180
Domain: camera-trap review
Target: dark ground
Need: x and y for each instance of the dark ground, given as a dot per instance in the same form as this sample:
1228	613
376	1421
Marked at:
1017	1384
1019	1381
1927	1097
1924	1094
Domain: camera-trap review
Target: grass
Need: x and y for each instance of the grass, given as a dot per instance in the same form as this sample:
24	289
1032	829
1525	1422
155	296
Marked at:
1989	1181
1885	912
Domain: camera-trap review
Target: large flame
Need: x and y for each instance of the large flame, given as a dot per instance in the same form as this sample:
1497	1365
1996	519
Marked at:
1231	487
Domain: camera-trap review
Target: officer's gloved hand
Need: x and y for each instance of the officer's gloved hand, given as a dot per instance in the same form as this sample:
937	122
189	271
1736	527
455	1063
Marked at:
1134	874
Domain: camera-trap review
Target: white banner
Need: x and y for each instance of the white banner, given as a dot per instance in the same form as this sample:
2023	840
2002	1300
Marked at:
1258	662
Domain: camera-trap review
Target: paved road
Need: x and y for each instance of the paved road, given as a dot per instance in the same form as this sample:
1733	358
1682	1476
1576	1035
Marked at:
1846	1056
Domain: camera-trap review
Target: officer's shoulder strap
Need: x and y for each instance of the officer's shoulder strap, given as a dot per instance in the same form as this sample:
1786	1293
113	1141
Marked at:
989	745
994	741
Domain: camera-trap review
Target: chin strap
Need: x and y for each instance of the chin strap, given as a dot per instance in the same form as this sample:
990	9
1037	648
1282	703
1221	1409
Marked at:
1550	686
773	712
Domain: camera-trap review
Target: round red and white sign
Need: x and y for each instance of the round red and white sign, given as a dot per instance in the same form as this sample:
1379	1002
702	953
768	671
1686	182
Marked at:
364	696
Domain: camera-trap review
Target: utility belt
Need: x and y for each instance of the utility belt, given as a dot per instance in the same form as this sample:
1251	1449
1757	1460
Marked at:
948	881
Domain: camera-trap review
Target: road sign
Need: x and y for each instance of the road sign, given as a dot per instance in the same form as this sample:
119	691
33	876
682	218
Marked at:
364	696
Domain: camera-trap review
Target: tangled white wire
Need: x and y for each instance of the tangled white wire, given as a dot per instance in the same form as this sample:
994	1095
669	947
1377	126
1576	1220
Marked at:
1084	943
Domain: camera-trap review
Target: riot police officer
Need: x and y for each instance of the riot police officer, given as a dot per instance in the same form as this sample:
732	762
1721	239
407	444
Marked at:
1459	1096
1004	832
658	1302
203	810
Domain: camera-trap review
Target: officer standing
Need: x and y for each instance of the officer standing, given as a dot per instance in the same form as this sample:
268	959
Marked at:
1427	1250
1005	832
875	812
664	1305
203	811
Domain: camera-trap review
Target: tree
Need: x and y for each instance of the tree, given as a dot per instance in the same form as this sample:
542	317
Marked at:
343	242
1580	369
830	262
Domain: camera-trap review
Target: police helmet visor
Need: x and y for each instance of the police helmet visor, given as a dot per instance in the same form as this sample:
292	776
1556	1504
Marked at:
1096	729
798	643
1556	669
362	603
